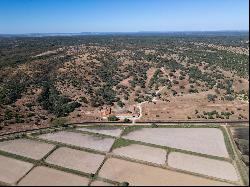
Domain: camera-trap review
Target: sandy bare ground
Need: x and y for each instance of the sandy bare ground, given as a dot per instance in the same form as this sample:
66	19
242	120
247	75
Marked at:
81	140
12	170
201	140
139	175
100	183
205	166
112	132
76	160
179	108
27	148
43	176
144	153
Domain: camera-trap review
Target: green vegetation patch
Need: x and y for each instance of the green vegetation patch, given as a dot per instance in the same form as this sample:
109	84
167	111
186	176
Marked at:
122	143
102	127
51	100
228	143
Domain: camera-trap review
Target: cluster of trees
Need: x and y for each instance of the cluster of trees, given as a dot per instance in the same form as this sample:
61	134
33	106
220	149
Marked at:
211	97
214	114
138	72
104	95
51	100
196	74
155	78
226	60
9	93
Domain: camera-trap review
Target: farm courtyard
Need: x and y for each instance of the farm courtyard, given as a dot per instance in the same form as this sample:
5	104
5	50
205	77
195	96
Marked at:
122	154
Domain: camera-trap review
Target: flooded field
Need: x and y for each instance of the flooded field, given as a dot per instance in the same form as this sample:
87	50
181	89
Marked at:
100	183
139	174
144	153
81	140
201	140
241	133
12	170
107	131
205	166
43	176
76	160
28	148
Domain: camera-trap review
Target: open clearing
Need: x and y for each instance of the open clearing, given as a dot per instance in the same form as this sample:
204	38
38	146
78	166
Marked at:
144	153
76	160
111	132
81	140
201	140
183	106
27	148
201	165
139	174
12	170
44	176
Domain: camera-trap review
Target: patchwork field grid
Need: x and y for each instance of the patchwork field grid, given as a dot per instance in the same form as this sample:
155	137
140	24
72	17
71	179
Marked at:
109	155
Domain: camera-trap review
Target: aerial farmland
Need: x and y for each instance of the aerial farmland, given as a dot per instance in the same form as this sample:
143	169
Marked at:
122	154
124	93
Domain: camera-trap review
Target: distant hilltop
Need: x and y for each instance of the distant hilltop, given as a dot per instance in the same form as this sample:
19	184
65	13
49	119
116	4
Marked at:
140	33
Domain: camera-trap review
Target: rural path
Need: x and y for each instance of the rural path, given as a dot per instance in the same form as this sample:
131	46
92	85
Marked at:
139	105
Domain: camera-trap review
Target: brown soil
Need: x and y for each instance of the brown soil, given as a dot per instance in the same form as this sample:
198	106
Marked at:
179	108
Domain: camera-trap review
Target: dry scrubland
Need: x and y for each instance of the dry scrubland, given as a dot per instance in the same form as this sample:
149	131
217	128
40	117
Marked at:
87	78
76	156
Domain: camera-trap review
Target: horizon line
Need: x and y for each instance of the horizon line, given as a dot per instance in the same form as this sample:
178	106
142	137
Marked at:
93	32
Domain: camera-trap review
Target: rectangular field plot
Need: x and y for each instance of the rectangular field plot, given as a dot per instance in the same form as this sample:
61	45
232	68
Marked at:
201	165
43	176
76	160
80	140
138	174
103	130
12	170
201	140
144	153
27	148
100	183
